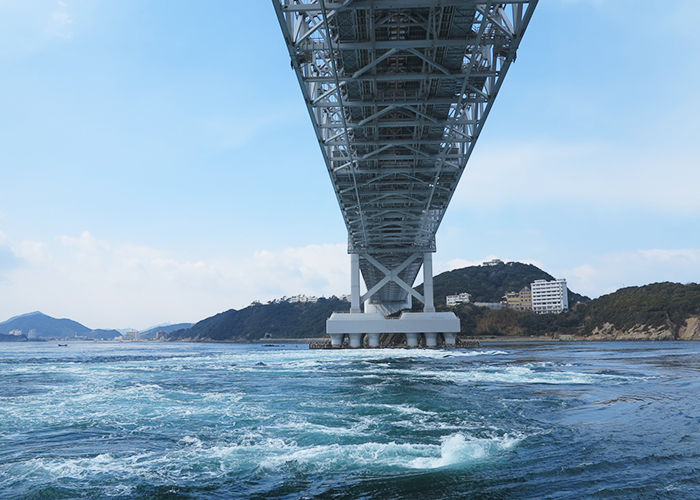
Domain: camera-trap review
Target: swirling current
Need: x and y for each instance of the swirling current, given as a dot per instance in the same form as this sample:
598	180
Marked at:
164	420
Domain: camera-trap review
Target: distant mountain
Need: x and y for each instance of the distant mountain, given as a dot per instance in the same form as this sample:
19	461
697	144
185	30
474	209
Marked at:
151	332
45	326
51	328
103	334
21	316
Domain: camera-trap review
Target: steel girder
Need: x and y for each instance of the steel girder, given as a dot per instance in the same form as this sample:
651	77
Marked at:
398	92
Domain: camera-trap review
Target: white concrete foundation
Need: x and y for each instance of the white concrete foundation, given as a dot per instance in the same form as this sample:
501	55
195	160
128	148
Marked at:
430	339
410	323
356	340
337	339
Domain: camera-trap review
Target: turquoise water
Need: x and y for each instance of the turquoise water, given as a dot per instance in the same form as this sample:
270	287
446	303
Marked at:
203	421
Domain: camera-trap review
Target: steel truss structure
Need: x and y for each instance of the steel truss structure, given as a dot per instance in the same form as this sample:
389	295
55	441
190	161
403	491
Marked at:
398	92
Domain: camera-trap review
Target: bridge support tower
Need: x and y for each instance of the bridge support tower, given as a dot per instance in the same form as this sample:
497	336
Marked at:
386	318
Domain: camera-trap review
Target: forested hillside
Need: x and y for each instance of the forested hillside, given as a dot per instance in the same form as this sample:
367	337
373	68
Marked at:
490	283
659	310
658	305
279	320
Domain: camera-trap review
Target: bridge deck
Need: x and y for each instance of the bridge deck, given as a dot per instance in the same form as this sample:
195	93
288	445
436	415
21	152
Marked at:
398	92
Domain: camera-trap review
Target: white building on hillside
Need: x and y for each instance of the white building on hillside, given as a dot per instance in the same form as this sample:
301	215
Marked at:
302	298
493	262
453	300
549	296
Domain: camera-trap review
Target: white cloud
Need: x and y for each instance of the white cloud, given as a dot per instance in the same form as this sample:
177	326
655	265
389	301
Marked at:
34	253
607	273
109	285
587	173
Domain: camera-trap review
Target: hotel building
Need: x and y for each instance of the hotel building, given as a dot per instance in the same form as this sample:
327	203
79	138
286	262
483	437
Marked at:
549	296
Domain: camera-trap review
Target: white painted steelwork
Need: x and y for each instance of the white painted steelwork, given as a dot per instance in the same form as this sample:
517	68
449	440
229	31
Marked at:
398	92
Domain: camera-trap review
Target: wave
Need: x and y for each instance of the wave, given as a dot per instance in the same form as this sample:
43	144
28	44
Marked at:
193	461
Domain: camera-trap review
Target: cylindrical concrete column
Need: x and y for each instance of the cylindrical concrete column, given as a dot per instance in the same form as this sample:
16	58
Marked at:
336	339
430	339
429	305
412	339
373	339
355	339
450	338
354	283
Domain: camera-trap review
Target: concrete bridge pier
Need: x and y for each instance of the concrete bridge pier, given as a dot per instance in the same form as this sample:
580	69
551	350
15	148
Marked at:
430	339
337	339
450	338
412	339
373	339
356	339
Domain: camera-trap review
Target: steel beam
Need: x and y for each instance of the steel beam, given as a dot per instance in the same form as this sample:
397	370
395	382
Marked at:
398	92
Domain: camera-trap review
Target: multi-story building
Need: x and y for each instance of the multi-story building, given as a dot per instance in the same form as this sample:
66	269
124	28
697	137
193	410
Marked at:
15	332
520	301
453	300
549	296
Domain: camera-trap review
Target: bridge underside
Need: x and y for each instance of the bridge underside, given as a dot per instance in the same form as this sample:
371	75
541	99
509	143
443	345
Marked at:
398	92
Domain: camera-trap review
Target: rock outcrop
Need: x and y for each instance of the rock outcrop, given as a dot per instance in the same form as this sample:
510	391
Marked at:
691	329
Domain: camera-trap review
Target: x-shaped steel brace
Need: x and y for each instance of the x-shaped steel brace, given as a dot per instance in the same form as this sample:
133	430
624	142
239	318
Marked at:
392	275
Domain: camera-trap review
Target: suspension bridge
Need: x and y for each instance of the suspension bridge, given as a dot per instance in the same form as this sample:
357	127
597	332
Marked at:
398	92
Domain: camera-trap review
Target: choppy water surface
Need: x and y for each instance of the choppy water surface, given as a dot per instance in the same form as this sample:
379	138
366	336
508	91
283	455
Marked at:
181	421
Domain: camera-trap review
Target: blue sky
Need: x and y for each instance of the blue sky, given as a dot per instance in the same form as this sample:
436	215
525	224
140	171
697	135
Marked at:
157	163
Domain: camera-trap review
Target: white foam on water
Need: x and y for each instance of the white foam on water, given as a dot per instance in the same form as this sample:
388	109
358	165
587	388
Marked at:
524	375
305	360
471	354
454	450
308	427
408	409
48	470
192	461
337	457
457	449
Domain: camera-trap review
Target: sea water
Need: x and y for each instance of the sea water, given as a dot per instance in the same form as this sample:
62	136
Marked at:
218	421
